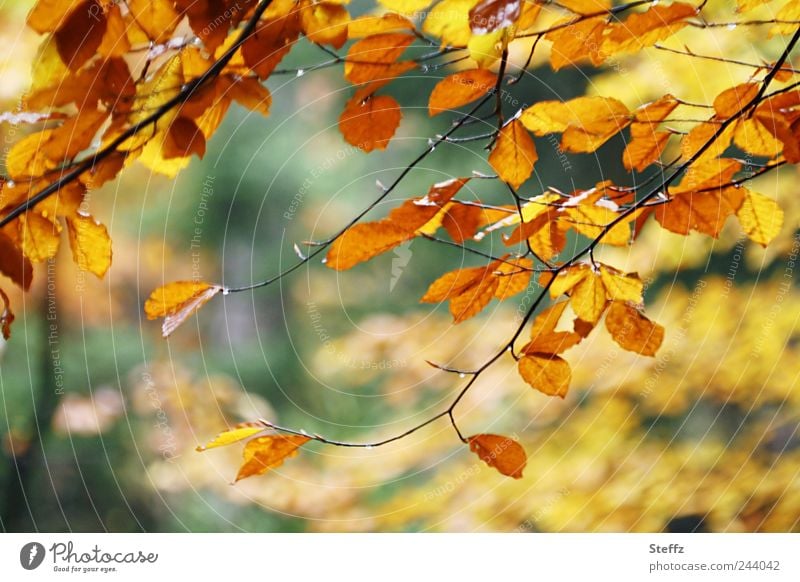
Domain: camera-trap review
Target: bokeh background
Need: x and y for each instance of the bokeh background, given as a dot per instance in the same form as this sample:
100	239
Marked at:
103	415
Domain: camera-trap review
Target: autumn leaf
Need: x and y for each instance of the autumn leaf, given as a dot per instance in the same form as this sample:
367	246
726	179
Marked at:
549	374
544	338
644	29
14	264
90	244
363	241
500	452
81	33
268	452
325	22
370	122
232	435
514	154
733	100
459	89
448	21
375	58
370	25
632	330
178	301
761	218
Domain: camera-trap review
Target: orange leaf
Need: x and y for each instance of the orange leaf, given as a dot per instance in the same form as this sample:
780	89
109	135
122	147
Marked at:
504	454
90	243
657	111
733	100
513	276
374	58
264	453
233	435
473	300
753	137
371	122
644	29
452	284
514	154
577	42
644	149
361	242
249	93
47	15
632	330
544	338
271	41
547	373
459	89
178	301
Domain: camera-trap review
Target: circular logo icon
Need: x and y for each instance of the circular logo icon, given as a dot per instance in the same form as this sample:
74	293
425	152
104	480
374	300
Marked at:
31	555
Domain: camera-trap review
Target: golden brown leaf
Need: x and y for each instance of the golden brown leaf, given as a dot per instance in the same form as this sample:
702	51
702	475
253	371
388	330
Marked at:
183	139
178	301
80	35
753	137
272	40
504	454
264	453
656	111
473	299
453	284
13	264
459	89
632	330
621	287
514	154
47	15
90	244
544	338
152	20
547	373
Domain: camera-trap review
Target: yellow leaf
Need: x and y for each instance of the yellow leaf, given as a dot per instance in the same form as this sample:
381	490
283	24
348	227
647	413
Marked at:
644	149
577	42
234	435
733	100
632	330
459	89
264	453
485	49
788	13
621	287
90	244
504	454
325	23
449	21
39	236
178	301
761	217
751	136
514	154
588	298
547	373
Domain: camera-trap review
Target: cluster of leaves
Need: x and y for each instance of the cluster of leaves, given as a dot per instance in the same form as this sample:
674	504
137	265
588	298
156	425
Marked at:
151	80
